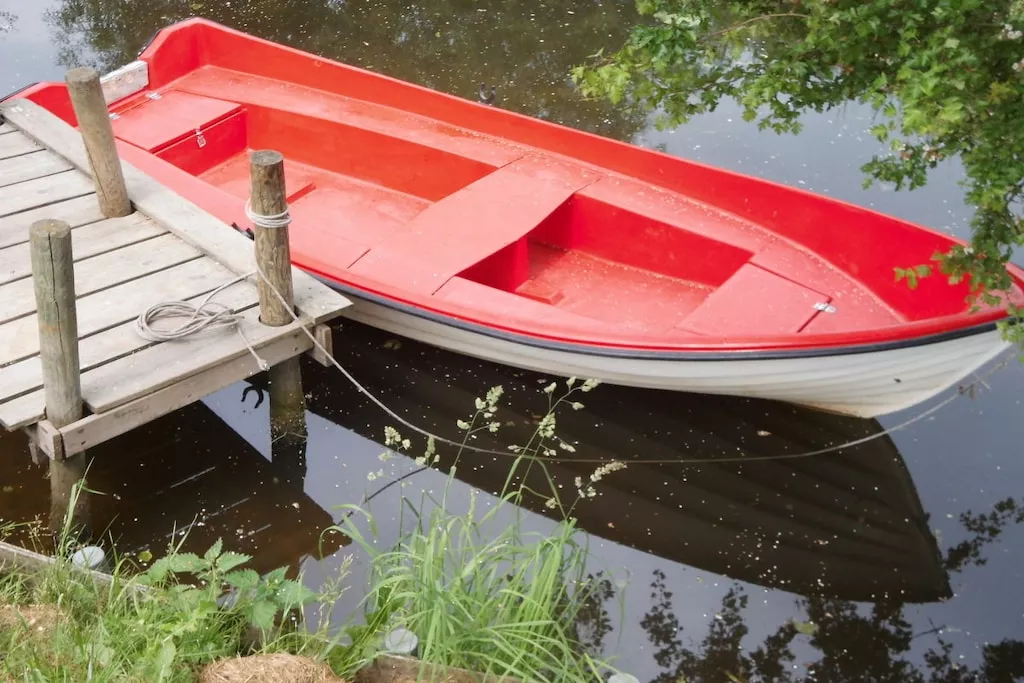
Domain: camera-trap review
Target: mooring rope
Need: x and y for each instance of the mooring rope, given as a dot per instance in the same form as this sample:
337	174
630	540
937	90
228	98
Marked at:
650	461
208	315
271	222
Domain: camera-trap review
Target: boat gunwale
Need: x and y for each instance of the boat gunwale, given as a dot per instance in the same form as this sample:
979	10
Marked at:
651	354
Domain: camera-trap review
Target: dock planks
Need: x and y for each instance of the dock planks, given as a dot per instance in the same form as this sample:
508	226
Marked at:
15	144
76	212
168	249
31	166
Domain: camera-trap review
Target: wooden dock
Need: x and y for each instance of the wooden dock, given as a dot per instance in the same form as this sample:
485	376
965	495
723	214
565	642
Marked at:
165	249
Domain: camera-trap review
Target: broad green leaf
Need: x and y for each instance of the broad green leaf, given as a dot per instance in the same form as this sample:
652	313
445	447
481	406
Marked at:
186	562
294	594
805	627
262	614
230	560
243	579
214	550
164	660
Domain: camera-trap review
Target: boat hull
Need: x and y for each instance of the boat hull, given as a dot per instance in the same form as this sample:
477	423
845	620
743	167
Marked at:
865	384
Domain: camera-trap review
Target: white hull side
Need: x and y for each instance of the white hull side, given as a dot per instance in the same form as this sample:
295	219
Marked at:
859	384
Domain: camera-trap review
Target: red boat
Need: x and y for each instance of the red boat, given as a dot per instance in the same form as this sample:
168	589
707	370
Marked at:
520	241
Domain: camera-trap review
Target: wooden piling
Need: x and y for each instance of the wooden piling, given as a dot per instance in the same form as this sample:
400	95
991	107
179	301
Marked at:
273	256
98	135
54	284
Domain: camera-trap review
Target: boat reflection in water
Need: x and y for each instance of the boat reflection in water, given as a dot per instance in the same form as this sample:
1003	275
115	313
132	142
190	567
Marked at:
846	525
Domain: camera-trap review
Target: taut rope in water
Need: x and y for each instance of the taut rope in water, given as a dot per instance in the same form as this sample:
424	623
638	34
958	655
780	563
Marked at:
208	315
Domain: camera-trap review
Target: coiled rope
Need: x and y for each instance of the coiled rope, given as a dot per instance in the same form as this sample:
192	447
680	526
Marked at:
206	315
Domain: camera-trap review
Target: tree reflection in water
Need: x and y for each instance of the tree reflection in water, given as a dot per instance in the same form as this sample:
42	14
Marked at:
526	49
7	21
854	643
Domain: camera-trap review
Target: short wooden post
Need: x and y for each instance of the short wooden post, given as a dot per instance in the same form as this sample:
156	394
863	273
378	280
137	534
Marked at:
273	256
98	135
54	281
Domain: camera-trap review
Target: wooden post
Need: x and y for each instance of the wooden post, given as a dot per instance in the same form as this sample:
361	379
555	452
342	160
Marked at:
98	135
273	256
54	282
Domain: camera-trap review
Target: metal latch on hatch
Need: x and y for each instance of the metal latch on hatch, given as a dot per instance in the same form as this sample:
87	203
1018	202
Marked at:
200	139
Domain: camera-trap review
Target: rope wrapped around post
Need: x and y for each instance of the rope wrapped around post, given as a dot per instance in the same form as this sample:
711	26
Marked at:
274	222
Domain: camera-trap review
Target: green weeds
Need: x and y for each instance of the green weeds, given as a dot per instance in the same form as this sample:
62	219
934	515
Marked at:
161	624
479	591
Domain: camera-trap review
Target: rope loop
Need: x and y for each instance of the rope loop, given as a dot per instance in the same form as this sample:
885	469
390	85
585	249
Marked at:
206	315
274	222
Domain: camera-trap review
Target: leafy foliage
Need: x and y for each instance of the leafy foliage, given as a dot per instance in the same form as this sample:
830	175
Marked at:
152	626
257	599
946	78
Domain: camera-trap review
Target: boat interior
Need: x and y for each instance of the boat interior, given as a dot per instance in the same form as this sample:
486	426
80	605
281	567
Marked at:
435	202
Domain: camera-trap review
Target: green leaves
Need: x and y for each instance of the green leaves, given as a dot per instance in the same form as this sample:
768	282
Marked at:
229	561
243	580
261	614
912	275
293	594
946	78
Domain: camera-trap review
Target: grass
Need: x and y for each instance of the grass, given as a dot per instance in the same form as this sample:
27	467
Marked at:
504	603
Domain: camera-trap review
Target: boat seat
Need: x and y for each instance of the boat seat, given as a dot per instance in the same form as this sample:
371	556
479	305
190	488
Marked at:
469	225
174	115
755	302
512	307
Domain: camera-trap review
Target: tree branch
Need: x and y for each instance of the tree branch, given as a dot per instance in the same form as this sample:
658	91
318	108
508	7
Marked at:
754	20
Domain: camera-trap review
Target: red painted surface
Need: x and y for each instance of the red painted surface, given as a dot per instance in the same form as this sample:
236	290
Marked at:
495	218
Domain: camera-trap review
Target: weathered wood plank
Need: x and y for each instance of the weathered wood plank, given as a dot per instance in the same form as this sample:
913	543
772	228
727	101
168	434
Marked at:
16	144
31	562
104	271
33	165
21	398
110	307
164	364
52	188
315	300
75	212
88	241
101	427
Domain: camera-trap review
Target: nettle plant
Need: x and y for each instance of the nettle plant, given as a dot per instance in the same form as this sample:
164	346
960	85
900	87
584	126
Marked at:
945	77
223	588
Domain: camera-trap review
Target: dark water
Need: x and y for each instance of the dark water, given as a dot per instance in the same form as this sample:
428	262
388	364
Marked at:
903	551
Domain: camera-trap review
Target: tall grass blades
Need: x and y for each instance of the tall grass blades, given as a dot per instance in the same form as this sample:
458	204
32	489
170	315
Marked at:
479	591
